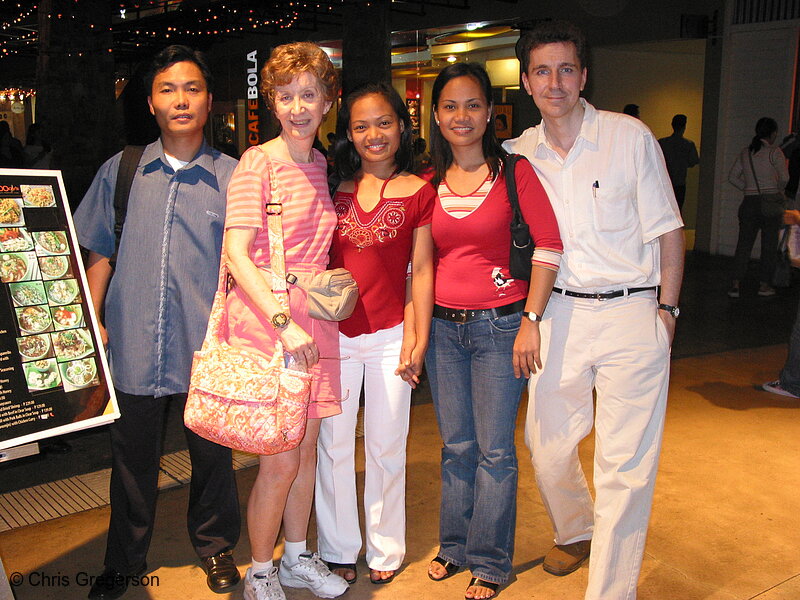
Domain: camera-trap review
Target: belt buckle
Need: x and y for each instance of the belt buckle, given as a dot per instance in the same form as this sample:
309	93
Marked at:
460	316
600	296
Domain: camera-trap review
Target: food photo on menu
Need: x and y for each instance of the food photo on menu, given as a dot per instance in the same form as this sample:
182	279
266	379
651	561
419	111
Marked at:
62	291
35	347
11	214
34	319
42	374
71	344
78	374
18	266
15	239
38	196
51	242
67	317
54	267
27	293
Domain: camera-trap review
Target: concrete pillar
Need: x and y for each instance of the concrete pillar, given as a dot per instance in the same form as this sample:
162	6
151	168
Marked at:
366	47
75	88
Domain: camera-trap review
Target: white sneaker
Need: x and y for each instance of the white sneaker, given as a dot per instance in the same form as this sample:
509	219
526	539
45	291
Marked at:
310	572
776	388
263	587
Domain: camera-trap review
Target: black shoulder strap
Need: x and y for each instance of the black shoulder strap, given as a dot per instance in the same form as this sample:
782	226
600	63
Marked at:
125	174
511	185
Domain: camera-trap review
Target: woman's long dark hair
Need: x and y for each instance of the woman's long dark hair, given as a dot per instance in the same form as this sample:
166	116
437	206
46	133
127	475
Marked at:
764	128
346	159
441	154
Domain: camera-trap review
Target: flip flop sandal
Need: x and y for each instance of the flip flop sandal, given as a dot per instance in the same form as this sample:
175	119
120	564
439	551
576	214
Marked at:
477	581
380	581
450	569
332	566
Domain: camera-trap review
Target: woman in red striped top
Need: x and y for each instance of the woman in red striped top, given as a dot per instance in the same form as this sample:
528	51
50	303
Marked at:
485	331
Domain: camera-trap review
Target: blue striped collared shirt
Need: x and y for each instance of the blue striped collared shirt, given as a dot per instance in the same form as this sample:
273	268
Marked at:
158	300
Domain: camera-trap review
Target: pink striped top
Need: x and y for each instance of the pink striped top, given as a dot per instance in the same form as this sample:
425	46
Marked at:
309	219
458	206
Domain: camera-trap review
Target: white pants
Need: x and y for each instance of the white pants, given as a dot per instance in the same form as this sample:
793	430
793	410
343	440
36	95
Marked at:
618	347
373	359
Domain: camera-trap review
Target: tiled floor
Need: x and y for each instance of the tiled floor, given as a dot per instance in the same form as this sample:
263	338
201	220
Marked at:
724	519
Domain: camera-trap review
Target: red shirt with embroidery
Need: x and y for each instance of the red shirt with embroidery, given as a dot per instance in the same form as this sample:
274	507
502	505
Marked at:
375	247
472	252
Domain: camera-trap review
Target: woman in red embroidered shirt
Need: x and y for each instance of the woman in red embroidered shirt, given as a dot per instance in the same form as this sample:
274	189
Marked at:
384	215
485	330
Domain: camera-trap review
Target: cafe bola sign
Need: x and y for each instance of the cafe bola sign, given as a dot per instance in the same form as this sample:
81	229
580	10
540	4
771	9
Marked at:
253	125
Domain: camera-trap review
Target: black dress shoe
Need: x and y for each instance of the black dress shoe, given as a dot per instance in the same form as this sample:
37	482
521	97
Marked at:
222	572
111	584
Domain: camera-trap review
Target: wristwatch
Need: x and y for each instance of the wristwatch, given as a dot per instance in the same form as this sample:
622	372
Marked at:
673	310
532	316
280	320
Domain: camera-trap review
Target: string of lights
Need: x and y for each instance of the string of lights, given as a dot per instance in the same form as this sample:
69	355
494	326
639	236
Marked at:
138	23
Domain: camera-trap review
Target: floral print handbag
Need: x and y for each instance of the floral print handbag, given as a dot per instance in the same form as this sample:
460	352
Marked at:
241	399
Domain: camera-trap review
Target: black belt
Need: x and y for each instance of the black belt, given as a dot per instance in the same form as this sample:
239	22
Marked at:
603	295
465	315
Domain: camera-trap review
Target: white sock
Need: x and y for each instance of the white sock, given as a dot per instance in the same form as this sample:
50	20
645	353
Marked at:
292	551
261	568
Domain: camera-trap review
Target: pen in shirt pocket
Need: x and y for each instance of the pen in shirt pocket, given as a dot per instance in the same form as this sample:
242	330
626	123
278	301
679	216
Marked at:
595	187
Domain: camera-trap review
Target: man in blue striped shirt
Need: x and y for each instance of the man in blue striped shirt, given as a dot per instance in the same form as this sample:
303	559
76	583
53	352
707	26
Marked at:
155	310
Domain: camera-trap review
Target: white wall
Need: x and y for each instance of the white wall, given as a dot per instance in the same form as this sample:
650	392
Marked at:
757	77
664	79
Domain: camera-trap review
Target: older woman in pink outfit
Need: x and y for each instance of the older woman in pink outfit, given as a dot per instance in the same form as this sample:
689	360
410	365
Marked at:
299	84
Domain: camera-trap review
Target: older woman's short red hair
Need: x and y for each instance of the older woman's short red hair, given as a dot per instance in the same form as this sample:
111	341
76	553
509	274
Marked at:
289	60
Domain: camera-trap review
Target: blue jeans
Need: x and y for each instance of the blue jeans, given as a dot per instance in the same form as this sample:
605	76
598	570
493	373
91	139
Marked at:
790	375
476	397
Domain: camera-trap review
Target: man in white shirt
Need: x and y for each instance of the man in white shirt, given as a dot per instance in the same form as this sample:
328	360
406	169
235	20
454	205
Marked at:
610	321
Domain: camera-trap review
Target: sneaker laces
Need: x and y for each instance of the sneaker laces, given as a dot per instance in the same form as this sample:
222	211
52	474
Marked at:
314	563
269	584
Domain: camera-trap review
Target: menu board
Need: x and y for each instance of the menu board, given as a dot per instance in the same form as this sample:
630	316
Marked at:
54	377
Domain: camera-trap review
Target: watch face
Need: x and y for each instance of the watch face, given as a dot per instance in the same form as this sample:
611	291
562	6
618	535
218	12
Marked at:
675	312
280	319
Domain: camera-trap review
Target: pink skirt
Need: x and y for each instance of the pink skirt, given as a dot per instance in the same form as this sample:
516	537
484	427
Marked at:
248	328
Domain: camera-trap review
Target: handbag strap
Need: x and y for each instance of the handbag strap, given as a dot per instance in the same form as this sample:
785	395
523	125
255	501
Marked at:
511	185
753	169
277	253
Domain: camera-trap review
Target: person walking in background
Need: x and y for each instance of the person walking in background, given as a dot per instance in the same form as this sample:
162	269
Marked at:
11	152
156	307
788	382
299	84
680	155
611	318
631	110
485	331
384	217
760	172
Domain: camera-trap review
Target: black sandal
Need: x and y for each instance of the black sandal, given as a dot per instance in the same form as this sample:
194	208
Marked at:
332	566
450	569
381	581
477	581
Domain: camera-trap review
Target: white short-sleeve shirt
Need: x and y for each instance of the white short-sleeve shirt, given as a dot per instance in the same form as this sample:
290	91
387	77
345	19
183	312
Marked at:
612	197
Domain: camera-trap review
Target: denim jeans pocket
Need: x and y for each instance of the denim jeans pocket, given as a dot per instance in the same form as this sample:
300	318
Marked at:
506	324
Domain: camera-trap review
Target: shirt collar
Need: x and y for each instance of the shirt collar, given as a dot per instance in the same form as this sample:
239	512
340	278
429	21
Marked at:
588	134
153	158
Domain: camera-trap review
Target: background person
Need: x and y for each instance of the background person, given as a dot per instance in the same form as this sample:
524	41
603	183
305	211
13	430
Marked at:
485	331
384	217
299	84
156	308
605	328
680	155
760	172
